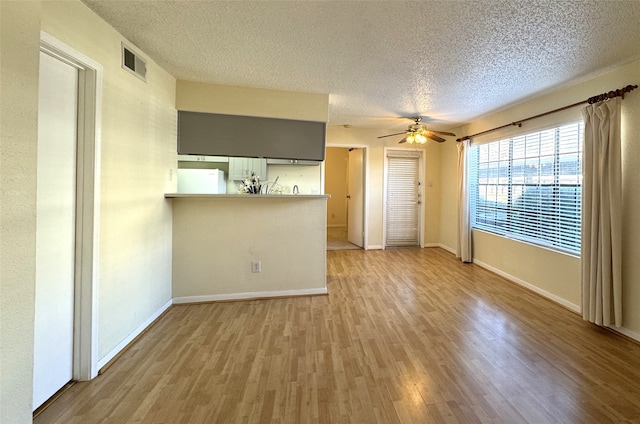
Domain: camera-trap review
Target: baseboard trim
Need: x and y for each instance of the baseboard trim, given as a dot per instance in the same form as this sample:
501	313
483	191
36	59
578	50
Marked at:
374	247
115	353
248	296
627	333
52	399
447	248
535	289
441	246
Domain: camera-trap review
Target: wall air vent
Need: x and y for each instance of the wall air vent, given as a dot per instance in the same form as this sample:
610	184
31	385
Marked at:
134	63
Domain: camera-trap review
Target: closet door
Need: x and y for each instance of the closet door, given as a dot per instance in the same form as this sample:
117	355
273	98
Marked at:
55	233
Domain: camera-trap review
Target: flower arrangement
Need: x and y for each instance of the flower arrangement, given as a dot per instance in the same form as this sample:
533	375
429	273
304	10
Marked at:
251	184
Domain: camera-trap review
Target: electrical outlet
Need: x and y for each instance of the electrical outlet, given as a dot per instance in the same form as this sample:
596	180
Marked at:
256	266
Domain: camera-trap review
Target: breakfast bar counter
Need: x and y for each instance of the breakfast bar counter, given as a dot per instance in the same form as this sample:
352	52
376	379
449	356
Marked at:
244	246
247	196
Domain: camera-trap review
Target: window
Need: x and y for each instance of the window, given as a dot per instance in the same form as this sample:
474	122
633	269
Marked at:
529	187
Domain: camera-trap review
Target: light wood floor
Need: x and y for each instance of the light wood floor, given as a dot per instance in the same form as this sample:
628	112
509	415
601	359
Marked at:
404	336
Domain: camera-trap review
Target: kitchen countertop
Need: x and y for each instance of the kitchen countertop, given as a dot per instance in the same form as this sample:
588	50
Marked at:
247	196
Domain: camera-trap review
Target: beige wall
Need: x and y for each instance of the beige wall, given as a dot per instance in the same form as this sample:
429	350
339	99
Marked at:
448	191
137	151
19	37
335	184
555	273
340	136
545	271
216	240
248	101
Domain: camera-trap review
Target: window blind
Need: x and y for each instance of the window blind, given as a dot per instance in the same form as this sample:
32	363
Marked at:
403	197
529	187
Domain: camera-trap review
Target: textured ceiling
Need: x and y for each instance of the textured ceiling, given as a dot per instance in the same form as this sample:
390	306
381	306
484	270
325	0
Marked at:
450	61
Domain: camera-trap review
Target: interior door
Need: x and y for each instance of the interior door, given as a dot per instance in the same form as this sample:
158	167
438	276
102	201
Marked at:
402	226
355	203
55	232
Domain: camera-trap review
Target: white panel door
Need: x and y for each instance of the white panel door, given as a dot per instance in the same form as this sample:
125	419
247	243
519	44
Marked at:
55	234
355	203
403	200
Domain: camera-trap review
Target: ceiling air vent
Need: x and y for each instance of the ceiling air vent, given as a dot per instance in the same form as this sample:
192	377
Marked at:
134	63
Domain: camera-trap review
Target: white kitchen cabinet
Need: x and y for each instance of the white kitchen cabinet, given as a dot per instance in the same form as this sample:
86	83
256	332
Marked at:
239	168
299	162
201	158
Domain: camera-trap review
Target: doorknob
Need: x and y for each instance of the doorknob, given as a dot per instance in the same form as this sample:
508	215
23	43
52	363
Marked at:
348	197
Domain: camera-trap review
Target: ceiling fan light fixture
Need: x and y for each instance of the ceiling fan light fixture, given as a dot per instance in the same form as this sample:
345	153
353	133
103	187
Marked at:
418	133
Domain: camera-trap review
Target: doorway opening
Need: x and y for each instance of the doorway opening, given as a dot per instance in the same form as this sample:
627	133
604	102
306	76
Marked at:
344	180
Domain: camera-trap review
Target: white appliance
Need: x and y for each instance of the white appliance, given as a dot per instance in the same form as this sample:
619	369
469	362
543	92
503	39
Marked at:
201	181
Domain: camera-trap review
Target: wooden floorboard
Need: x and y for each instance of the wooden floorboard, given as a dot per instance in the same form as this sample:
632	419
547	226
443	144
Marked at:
404	336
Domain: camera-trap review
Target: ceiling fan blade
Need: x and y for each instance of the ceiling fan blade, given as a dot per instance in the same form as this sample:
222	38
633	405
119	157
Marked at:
434	137
404	140
443	133
391	135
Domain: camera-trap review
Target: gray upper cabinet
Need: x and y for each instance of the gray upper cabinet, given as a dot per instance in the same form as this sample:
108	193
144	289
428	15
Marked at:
213	134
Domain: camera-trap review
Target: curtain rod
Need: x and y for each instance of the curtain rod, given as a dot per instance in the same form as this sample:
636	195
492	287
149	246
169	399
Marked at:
591	100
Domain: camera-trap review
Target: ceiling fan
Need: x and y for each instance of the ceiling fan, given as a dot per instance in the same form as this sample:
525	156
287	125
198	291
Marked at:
418	133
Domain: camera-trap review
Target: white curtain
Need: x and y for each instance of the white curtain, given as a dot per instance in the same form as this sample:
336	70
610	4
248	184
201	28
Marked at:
464	249
601	215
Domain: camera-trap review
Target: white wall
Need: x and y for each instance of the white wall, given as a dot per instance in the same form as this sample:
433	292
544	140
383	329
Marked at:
138	149
19	55
307	178
555	273
340	136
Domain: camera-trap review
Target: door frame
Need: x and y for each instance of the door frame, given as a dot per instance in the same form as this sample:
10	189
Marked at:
90	72
365	182
421	179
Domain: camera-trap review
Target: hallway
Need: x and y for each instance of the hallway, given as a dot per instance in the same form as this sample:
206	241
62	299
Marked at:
337	239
